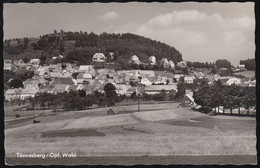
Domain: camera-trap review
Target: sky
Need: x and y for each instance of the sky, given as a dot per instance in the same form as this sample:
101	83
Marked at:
202	32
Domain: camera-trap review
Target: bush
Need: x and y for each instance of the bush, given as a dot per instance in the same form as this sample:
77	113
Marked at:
17	116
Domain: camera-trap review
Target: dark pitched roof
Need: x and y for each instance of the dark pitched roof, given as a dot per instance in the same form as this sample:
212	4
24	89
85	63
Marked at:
63	81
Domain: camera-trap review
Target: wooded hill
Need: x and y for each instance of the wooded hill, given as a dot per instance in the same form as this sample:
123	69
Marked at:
81	46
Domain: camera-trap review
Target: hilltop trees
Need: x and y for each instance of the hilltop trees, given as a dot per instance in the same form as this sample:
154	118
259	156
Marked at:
81	46
223	63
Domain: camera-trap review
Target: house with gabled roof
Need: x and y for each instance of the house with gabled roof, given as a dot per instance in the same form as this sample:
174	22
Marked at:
35	61
12	94
99	57
188	100
75	87
83	77
8	66
19	62
189	79
152	60
154	89
28	92
63	81
146	80
233	80
135	60
149	73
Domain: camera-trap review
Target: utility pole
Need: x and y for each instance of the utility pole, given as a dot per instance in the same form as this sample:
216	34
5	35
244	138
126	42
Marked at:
138	99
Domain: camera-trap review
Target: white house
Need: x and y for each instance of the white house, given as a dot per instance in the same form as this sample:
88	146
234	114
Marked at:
154	89
152	60
165	62
242	67
178	76
134	59
121	89
171	64
35	61
12	94
19	62
182	64
145	81
28	92
233	80
8	66
99	57
188	79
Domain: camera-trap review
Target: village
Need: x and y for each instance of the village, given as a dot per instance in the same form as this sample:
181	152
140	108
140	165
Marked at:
60	77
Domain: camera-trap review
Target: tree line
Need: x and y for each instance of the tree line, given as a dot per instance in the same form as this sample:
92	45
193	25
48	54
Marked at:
249	64
230	97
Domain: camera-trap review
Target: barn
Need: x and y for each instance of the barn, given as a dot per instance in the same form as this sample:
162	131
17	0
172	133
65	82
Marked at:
187	100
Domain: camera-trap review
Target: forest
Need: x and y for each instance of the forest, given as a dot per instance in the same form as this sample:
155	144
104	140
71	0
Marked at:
81	46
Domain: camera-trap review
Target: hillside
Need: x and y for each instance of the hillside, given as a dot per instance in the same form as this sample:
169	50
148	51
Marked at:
81	46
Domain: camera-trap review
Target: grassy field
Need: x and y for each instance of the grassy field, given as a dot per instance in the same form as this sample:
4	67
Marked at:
163	130
248	74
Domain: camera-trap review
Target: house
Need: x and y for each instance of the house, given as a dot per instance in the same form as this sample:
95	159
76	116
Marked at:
152	60
178	76
252	83
241	67
189	79
97	85
35	61
121	89
7	61
199	75
160	80
233	80
166	74
171	64
146	81
28	92
87	68
31	83
75	87
83	77
187	100
63	81
165	62
148	73
99	57
135	60
182	64
110	112
54	75
8	66
224	79
19	62
154	89
60	88
12	94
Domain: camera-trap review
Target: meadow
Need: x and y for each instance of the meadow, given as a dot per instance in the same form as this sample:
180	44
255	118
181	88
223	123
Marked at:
159	130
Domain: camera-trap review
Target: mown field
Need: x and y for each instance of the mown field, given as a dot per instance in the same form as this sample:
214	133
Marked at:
159	130
248	74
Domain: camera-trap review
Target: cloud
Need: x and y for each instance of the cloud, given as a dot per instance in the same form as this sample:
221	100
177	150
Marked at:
108	16
203	37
